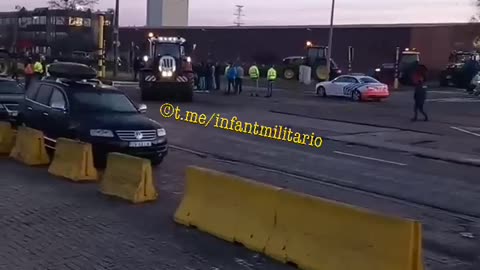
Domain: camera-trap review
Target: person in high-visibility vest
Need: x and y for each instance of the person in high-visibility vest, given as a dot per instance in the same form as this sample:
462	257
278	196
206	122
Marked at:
271	77
38	69
254	76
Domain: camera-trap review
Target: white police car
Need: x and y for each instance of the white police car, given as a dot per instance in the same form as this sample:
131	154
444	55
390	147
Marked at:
355	87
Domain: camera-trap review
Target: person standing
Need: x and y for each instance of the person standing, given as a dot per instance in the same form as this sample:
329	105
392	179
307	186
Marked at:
14	68
209	76
254	74
419	97
218	74
38	69
271	77
212	76
29	73
203	76
136	67
231	77
239	78
227	68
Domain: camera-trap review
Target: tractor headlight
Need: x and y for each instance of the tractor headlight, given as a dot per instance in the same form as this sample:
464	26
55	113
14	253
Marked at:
145	58
167	74
377	70
189	59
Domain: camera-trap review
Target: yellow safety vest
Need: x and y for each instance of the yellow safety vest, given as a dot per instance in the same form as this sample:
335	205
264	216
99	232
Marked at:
254	72
272	74
38	67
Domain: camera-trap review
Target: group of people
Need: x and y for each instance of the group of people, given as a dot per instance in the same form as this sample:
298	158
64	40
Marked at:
209	77
34	69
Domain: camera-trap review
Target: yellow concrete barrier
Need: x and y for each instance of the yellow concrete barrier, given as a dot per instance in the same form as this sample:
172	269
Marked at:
129	178
7	137
29	147
319	234
313	233
73	160
229	207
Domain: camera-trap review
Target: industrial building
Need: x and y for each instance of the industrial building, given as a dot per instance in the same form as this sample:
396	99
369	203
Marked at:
373	44
162	13
51	31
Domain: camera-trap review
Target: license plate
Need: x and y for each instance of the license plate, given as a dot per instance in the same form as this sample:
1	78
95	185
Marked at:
13	113
140	144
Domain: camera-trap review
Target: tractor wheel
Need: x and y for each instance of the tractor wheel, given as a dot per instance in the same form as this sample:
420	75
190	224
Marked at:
4	67
289	74
321	73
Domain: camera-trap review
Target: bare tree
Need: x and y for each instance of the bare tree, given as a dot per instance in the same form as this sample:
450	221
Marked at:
72	4
476	17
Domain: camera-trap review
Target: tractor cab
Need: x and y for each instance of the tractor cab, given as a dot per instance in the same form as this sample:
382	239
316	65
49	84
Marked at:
167	69
409	57
316	54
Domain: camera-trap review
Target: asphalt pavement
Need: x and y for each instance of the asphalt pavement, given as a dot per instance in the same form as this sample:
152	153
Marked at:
48	223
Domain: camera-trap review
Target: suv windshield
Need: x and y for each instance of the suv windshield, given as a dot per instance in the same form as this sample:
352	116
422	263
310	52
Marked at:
10	87
105	102
171	49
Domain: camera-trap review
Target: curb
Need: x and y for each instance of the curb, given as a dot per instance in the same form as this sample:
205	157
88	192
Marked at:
452	157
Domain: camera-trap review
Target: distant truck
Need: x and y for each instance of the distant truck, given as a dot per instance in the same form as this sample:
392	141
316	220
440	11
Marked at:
316	58
167	70
410	68
461	69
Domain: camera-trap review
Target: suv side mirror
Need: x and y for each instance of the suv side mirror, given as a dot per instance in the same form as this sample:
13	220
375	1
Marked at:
142	108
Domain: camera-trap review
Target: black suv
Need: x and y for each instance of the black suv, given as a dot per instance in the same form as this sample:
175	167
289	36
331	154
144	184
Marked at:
95	113
11	96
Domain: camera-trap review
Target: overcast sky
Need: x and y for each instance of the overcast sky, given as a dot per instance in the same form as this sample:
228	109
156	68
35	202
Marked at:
291	12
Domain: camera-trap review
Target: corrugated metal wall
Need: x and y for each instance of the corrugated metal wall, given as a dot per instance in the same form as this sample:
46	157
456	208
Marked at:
373	45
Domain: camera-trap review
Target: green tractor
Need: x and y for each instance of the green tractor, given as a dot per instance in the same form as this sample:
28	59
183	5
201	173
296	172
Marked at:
316	59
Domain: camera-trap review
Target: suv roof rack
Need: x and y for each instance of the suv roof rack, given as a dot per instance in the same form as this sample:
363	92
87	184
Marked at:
94	81
71	71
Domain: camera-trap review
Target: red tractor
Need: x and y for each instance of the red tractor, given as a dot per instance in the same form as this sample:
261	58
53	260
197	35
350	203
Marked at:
167	70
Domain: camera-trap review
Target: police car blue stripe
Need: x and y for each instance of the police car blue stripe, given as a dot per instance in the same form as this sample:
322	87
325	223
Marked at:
348	89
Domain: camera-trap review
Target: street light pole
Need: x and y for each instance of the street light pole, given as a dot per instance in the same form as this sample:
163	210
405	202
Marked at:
116	38
330	39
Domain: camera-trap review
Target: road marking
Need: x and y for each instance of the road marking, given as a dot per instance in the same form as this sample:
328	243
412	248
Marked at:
465	99
370	158
446	92
466	131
